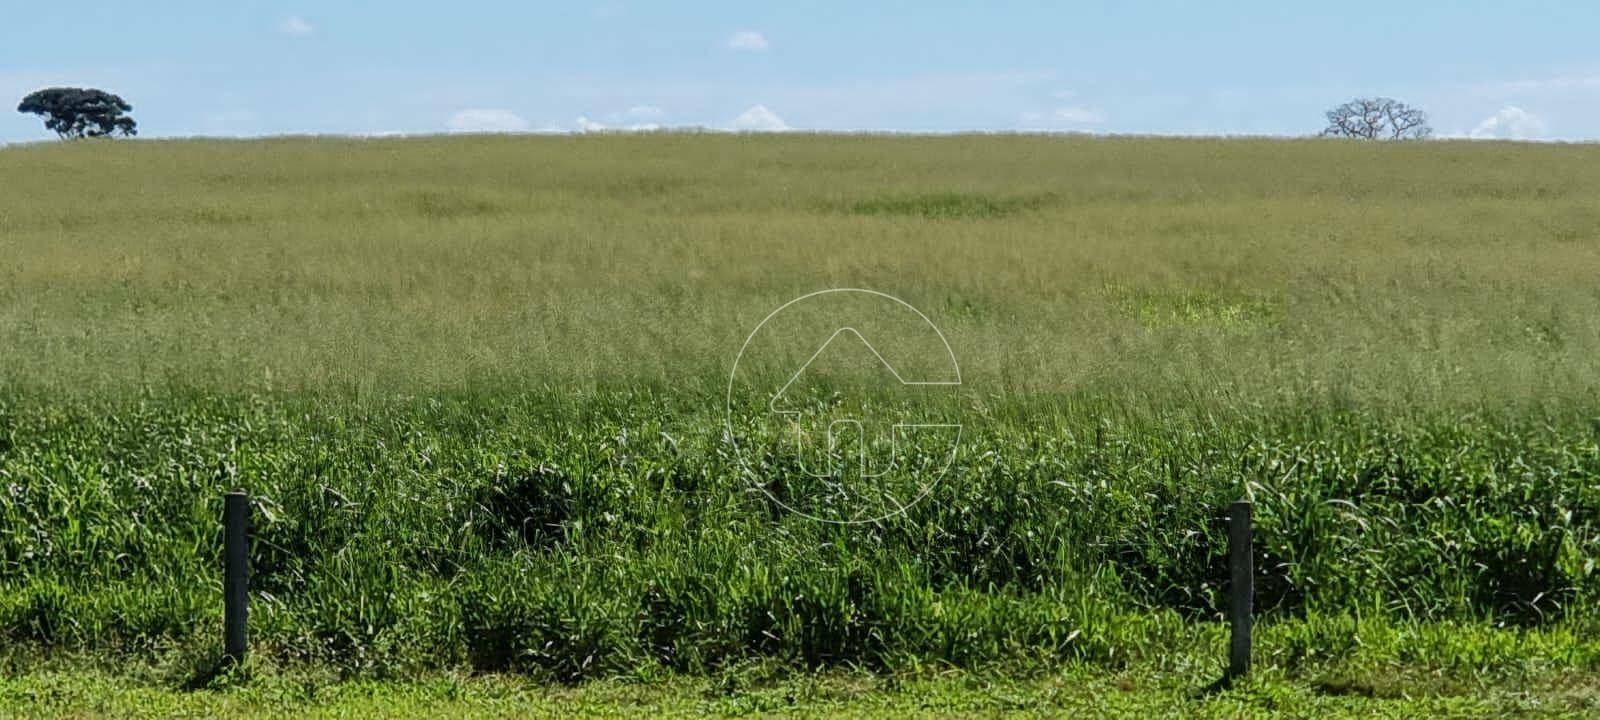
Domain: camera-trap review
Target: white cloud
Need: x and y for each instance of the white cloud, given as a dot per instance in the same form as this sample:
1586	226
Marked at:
643	112
1063	118
747	40
296	26
1511	123
588	126
758	119
487	120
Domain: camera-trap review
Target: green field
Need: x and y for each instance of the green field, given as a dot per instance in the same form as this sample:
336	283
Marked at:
477	388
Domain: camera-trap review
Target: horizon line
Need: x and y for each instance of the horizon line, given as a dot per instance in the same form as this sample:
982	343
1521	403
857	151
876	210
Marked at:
707	130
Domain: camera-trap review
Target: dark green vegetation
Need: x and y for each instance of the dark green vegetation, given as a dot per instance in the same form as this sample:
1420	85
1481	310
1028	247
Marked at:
475	385
614	534
80	112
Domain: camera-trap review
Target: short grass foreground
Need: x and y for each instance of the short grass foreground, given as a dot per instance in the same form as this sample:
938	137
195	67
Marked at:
476	388
1393	676
1068	694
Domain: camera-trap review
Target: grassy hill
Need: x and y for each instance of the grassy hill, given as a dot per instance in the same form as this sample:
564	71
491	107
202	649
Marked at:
1247	270
477	387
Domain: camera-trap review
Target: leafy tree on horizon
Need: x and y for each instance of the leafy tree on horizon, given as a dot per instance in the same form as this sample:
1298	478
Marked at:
80	112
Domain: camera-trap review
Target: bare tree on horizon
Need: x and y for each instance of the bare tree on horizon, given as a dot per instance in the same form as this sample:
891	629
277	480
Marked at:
1377	119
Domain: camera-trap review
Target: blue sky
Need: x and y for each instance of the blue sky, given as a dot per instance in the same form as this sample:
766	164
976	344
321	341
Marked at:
262	68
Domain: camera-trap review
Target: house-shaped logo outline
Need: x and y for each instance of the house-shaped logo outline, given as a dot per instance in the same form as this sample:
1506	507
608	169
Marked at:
897	431
732	434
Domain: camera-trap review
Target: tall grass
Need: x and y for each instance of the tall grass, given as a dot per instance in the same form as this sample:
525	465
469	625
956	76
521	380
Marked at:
617	533
1430	274
476	386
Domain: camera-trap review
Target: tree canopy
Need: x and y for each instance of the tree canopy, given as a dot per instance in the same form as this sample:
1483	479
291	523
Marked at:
80	112
1377	119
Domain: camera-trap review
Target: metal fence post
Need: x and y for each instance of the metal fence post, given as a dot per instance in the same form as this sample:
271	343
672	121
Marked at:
1241	605
236	576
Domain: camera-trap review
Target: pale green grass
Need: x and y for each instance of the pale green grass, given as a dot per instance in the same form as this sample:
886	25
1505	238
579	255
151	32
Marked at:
1235	272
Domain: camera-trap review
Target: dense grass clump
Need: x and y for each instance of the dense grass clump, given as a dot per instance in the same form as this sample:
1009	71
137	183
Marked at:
945	206
522	533
476	387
